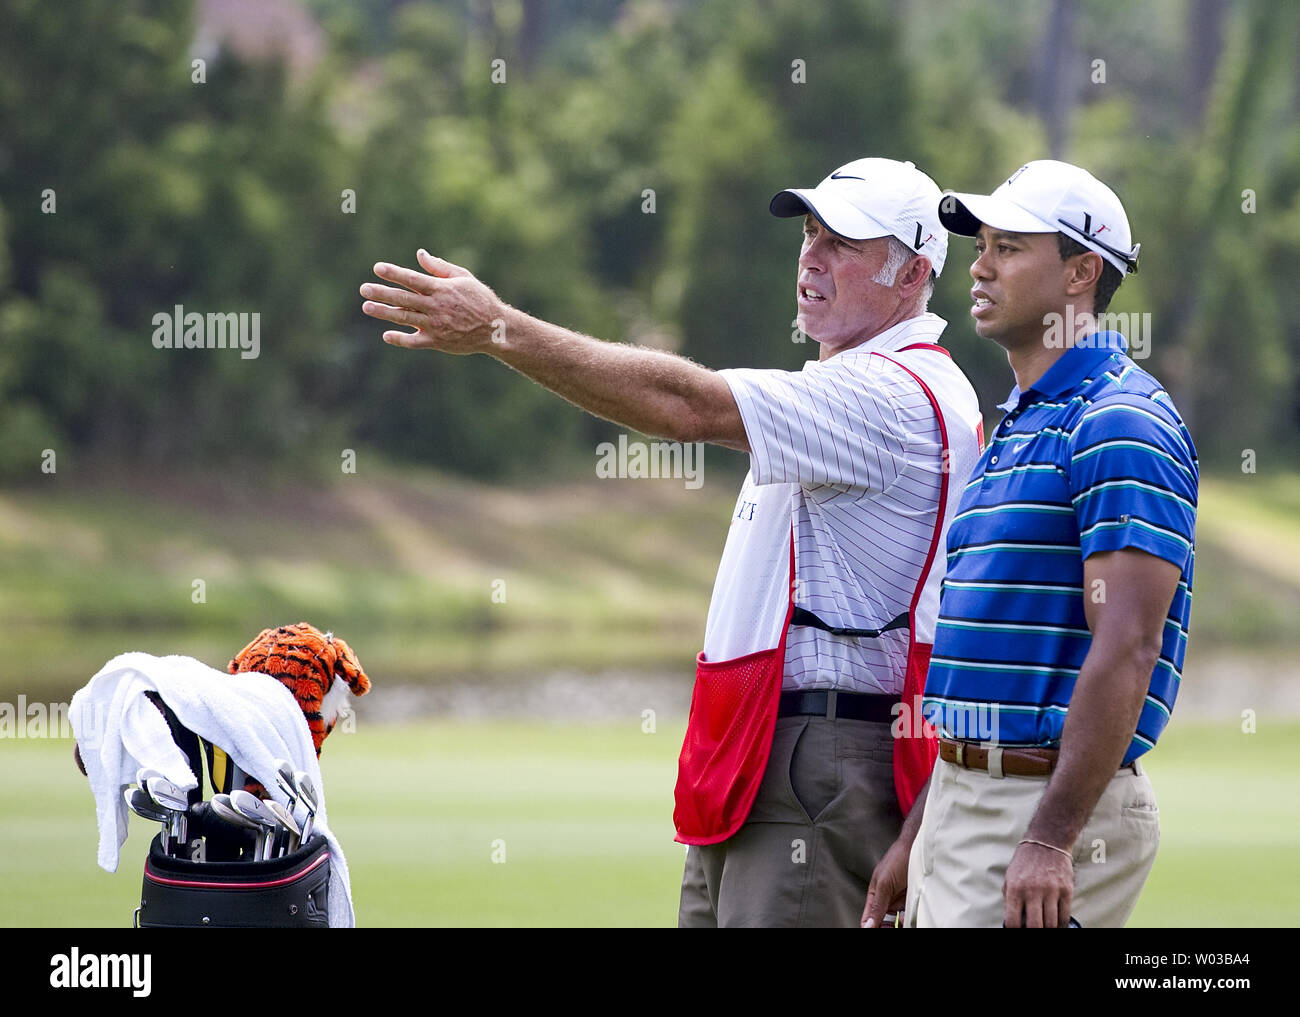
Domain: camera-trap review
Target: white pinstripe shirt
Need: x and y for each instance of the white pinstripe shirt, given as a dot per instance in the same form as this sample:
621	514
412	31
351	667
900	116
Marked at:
850	450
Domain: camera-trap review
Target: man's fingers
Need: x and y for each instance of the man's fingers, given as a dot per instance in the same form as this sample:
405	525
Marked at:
394	297
418	282
1063	903
881	900
874	910
1013	909
1048	911
397	315
407	339
440	267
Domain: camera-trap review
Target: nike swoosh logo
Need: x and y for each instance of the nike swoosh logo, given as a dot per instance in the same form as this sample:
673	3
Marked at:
1022	445
845	176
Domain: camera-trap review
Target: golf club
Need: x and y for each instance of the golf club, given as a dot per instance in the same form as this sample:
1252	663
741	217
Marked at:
255	809
222	809
169	797
144	807
310	801
286	820
284	777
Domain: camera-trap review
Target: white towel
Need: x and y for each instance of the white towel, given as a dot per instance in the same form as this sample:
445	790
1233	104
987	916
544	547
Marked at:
250	715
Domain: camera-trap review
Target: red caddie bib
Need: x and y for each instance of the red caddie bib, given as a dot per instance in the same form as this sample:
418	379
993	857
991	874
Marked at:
734	703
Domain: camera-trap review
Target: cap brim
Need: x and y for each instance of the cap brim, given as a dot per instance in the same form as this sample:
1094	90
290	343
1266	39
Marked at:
963	214
836	214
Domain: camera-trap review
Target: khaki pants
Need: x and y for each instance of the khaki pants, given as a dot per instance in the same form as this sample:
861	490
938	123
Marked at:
973	823
825	813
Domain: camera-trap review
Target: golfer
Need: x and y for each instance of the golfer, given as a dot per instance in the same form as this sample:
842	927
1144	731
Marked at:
1065	609
790	786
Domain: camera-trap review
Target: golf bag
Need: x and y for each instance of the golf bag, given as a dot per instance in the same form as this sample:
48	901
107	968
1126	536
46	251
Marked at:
289	892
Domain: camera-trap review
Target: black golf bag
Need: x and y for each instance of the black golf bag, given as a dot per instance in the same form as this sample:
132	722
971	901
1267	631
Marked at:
290	892
211	881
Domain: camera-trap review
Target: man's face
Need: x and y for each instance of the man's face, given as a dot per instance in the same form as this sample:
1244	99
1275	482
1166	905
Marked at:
1019	280
840	305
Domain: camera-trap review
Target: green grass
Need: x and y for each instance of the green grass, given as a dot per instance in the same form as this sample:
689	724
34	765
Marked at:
585	816
1230	828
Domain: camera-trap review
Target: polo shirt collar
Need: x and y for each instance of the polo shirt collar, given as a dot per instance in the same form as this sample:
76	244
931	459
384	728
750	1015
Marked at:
1071	368
924	328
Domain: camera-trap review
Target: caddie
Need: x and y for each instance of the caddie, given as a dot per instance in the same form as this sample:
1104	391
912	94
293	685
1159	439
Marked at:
790	784
1065	608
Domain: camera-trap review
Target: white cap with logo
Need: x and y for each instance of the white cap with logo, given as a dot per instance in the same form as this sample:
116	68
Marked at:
1047	196
871	198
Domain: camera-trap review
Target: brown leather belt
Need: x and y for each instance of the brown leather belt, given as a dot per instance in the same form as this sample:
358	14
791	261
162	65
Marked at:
1023	762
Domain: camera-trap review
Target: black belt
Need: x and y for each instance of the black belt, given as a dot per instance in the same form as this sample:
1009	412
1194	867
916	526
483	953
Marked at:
848	705
805	617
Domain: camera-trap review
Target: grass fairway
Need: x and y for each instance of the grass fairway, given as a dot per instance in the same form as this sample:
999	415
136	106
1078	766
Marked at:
583	815
1230	828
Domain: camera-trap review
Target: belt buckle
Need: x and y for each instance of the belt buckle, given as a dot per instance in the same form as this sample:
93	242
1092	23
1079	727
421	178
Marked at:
961	753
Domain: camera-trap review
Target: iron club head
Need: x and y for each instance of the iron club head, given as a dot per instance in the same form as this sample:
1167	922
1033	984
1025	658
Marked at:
222	809
285	778
139	802
144	806
255	809
286	820
310	801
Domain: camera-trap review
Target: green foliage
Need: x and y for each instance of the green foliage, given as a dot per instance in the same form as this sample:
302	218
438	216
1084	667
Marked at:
616	182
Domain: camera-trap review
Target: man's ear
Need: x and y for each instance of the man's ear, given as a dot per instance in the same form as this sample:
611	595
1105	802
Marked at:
912	276
1083	272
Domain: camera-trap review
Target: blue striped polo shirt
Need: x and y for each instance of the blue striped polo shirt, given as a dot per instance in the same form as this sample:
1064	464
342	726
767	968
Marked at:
1094	457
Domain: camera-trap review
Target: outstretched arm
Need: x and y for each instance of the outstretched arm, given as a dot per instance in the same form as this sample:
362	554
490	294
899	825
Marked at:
652	391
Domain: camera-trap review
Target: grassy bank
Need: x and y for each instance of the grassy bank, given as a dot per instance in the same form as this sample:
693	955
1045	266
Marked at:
424	575
431	577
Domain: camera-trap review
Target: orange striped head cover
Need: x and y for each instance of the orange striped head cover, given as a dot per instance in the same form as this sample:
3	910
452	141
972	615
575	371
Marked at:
308	662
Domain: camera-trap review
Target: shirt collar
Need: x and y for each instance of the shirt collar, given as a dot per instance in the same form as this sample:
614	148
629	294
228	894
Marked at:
1072	368
924	328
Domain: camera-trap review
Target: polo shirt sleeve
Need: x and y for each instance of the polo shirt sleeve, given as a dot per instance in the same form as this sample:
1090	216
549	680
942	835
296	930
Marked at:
1133	480
846	422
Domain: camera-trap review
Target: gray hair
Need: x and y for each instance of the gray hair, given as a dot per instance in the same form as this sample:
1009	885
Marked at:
899	255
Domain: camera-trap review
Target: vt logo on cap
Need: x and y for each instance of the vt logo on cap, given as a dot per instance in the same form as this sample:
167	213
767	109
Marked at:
1047	196
1012	179
871	198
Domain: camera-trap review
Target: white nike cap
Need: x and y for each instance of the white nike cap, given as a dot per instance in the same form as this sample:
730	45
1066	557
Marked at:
1047	196
871	198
